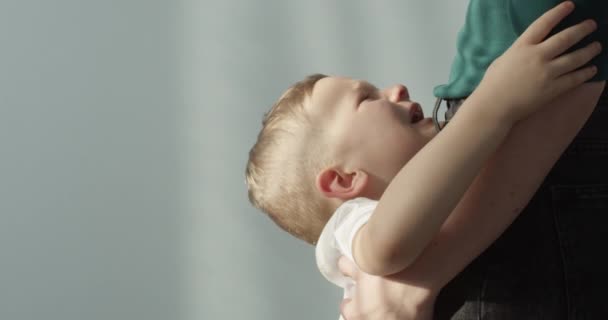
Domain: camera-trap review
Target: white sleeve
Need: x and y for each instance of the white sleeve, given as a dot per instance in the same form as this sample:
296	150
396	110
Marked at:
337	237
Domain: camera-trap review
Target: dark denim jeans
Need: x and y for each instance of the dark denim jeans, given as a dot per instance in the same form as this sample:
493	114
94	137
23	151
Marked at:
551	262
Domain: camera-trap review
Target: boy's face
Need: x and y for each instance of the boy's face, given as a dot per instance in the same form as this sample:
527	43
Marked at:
370	129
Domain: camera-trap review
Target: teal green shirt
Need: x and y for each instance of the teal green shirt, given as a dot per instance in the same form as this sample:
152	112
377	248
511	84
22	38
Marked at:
491	26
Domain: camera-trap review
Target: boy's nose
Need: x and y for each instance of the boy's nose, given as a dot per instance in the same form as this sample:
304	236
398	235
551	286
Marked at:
399	92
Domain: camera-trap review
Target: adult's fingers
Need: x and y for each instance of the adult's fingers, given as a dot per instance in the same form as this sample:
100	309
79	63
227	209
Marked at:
574	60
348	268
346	309
541	27
565	39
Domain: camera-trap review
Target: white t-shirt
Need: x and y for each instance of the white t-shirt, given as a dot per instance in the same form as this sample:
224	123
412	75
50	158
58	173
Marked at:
337	237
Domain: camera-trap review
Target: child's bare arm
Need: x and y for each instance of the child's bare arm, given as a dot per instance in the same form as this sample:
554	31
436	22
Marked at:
429	187
506	184
423	193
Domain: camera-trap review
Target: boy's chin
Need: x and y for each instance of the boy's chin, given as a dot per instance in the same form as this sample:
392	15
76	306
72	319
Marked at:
427	126
427	122
424	122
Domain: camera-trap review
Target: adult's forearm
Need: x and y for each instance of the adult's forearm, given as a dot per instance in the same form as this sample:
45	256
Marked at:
504	187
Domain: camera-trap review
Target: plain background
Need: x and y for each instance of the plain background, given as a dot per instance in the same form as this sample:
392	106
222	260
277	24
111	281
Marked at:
124	132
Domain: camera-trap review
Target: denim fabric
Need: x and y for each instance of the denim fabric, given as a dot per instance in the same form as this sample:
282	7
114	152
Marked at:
550	263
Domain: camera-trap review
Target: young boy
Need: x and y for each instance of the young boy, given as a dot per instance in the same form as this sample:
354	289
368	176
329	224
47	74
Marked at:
351	149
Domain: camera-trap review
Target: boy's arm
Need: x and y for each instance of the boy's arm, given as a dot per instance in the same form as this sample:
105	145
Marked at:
428	188
505	185
423	193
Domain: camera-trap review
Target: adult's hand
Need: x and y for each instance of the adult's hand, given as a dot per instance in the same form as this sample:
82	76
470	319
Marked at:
385	298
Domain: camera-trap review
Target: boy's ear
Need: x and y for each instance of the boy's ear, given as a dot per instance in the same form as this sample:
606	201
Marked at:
335	183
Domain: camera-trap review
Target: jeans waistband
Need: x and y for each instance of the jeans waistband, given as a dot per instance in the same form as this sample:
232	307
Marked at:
452	104
596	126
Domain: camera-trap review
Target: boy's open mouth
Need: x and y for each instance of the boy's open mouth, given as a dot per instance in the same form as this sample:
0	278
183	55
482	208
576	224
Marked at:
416	113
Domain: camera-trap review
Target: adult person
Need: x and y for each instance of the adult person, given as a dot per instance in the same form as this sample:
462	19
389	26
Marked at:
549	263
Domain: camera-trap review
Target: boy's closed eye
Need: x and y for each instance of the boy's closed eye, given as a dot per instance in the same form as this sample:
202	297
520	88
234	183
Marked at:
367	91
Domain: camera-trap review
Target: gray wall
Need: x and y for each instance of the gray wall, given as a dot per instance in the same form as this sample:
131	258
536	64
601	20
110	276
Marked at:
124	132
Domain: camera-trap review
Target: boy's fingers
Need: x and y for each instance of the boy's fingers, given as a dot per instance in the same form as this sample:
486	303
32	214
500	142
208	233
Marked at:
541	27
575	60
574	79
560	42
347	267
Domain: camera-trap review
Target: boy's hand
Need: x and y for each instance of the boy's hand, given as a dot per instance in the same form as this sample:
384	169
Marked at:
532	72
385	298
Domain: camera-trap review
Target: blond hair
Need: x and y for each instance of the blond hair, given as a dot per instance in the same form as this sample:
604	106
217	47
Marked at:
283	164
